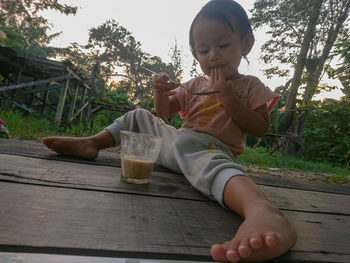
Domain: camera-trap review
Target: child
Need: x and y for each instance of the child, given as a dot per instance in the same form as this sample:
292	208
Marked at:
205	148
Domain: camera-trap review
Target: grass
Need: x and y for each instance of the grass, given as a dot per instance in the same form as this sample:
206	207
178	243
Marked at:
261	158
30	128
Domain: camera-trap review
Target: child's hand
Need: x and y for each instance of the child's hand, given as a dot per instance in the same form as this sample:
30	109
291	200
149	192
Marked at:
162	85
219	82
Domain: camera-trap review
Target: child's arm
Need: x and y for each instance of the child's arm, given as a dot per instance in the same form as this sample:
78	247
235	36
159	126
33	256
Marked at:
165	101
255	122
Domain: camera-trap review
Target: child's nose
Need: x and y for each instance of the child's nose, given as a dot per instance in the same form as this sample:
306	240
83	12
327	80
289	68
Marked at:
214	55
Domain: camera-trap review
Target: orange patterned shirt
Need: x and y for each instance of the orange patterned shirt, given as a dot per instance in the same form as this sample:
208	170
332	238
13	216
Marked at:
206	113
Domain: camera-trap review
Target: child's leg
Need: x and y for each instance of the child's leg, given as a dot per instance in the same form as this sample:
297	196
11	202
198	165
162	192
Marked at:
83	147
87	147
265	232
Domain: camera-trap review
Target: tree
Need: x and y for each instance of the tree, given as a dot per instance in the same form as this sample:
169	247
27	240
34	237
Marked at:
303	33
342	72
119	52
25	29
316	64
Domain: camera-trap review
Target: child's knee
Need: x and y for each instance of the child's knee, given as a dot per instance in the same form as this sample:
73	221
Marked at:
140	112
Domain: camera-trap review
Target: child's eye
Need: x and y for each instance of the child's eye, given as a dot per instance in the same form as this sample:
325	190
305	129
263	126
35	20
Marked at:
225	45
203	52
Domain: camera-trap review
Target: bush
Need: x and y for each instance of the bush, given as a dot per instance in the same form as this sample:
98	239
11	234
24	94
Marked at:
327	134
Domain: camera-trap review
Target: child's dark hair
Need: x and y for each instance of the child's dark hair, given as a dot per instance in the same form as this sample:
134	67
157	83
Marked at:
224	11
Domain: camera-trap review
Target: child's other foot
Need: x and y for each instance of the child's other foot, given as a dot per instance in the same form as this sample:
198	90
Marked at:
77	147
264	234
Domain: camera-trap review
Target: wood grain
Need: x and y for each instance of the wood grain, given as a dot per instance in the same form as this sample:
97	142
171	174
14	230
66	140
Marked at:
38	216
85	176
55	204
106	178
111	158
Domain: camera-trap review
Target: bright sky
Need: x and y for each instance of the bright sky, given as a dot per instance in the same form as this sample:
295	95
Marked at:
155	24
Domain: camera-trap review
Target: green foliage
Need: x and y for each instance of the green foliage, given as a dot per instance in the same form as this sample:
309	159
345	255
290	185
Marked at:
327	134
116	98
26	128
177	123
31	128
123	56
103	119
25	29
342	72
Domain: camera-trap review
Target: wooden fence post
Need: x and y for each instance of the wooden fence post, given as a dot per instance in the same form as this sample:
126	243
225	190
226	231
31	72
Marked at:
60	106
46	99
91	92
82	102
73	101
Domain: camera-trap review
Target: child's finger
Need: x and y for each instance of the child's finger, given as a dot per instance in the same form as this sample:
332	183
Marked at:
221	75
162	76
165	87
213	75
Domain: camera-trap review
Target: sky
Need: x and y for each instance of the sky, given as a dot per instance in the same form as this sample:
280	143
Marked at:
156	24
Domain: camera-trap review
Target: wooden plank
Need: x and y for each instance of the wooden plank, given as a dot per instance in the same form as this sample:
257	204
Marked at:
45	102
108	158
47	88
307	201
309	257
72	104
6	257
65	218
33	83
63	94
79	111
83	176
82	103
77	77
38	216
292	183
94	177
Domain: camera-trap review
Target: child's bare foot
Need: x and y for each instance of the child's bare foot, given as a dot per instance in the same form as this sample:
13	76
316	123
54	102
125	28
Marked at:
73	146
264	234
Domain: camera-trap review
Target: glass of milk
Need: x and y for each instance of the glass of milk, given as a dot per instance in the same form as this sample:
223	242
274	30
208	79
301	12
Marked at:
139	153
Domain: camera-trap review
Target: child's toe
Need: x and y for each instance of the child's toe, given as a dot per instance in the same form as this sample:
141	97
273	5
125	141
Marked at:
232	255
218	253
256	242
271	239
244	250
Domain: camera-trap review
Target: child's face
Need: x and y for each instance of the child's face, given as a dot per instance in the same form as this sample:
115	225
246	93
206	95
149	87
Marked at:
216	45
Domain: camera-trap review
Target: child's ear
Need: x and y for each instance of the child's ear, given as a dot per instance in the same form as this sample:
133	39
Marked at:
247	43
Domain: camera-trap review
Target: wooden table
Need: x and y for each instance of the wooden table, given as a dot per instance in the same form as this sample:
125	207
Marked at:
53	205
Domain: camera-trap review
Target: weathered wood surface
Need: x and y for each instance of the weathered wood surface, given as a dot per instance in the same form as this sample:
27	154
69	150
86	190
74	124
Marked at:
6	257
54	204
111	158
94	177
69	219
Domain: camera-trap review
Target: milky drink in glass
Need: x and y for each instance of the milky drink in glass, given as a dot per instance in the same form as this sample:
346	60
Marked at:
139	152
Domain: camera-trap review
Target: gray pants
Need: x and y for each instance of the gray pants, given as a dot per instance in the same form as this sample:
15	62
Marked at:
204	160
